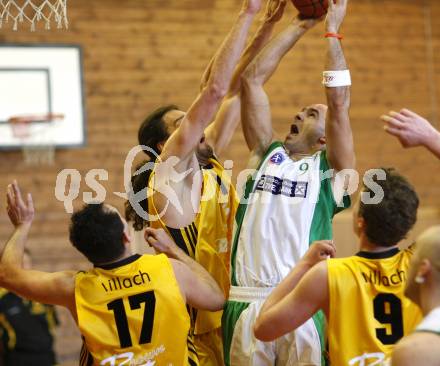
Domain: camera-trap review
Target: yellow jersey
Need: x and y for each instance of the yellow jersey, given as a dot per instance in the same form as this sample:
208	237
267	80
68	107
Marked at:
208	238
132	312
368	312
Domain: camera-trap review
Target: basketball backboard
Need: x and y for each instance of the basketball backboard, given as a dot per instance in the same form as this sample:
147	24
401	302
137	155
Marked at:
42	80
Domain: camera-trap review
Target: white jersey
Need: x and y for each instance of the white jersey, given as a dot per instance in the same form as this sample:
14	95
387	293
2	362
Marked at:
288	206
431	323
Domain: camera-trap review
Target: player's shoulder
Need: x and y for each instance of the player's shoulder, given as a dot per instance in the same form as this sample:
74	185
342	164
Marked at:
418	348
342	269
320	270
409	250
342	262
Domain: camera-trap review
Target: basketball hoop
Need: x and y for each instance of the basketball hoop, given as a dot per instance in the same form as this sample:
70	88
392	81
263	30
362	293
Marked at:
34	135
34	11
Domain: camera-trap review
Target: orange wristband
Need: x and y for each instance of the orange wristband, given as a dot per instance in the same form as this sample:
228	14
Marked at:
333	35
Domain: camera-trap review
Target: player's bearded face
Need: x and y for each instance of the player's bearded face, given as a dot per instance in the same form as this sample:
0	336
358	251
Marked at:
307	128
173	119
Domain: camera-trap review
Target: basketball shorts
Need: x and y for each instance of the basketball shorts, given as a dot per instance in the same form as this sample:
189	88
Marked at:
299	348
209	348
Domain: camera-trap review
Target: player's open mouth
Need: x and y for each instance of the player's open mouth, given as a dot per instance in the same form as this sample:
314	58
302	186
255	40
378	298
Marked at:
294	130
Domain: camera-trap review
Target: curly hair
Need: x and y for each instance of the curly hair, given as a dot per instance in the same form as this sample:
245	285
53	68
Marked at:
389	221
153	130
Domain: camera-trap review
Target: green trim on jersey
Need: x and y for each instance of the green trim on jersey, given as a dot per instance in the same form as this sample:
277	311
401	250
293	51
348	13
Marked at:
321	229
241	210
231	314
326	207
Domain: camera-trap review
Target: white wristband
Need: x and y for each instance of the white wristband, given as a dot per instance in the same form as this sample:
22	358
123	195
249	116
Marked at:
334	79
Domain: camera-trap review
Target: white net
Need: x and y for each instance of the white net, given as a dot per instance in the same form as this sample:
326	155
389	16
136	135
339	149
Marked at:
37	141
33	11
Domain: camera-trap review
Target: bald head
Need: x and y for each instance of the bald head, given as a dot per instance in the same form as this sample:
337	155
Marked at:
424	271
428	246
307	133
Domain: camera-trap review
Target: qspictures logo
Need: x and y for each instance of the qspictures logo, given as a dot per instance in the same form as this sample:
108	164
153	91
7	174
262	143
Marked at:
167	177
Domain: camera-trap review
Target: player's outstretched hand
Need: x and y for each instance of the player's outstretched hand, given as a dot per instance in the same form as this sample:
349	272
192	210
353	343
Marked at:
161	242
19	212
335	15
319	250
274	11
410	128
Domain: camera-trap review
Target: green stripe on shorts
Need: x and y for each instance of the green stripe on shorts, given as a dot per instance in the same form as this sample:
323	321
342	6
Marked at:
231	314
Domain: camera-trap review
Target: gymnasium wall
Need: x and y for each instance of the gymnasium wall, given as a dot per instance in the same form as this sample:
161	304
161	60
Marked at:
139	54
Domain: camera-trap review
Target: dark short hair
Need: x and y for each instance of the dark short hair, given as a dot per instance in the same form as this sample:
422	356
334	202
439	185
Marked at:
153	130
138	183
389	221
97	233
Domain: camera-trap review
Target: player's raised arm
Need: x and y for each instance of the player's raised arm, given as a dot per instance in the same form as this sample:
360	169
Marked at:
303	292
339	137
220	132
49	288
186	138
255	108
199	288
412	130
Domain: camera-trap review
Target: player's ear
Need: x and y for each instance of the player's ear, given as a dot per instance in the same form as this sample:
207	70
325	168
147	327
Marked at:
424	268
160	146
322	140
126	237
361	225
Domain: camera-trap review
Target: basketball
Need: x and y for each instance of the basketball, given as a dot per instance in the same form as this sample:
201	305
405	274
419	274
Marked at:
311	8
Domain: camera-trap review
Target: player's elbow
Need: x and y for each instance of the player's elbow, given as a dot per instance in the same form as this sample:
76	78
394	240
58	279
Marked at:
3	275
218	300
216	90
7	273
261	331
